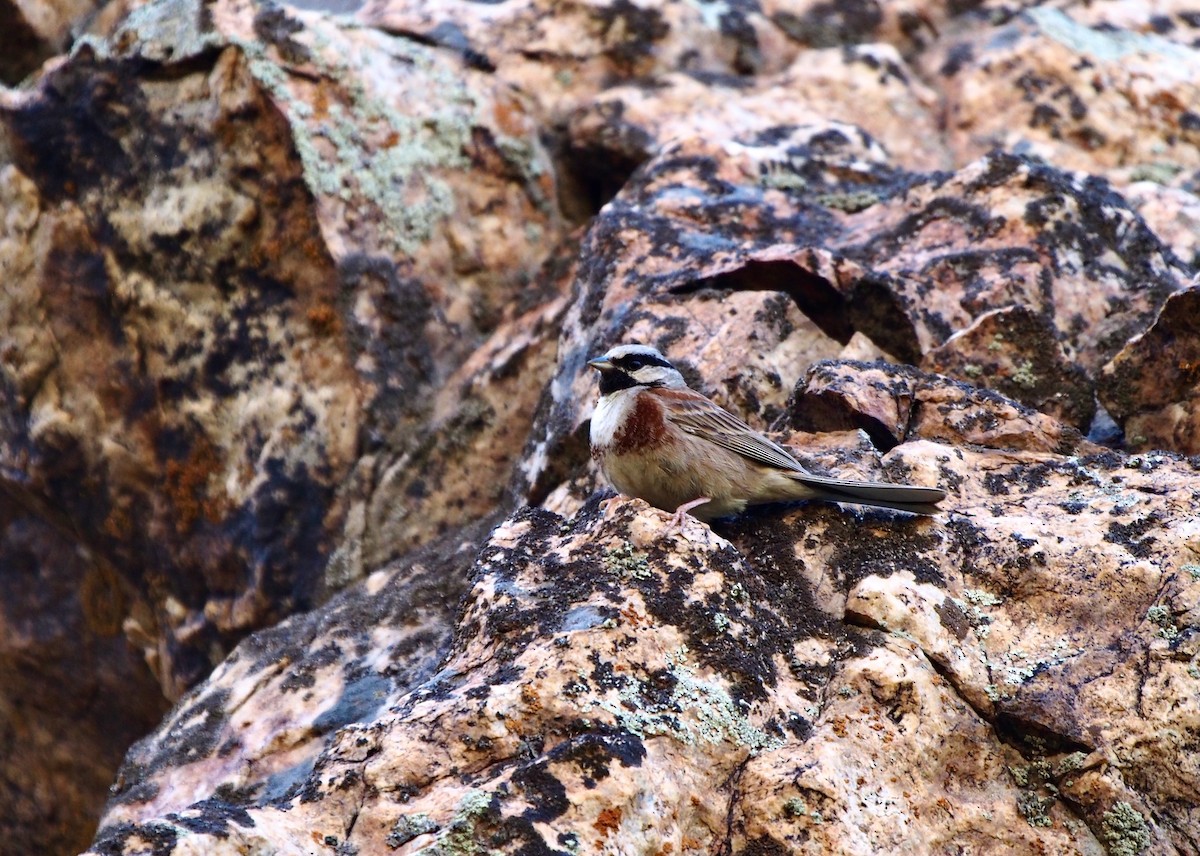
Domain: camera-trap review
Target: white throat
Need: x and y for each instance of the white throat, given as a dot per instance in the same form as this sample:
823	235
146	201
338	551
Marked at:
609	414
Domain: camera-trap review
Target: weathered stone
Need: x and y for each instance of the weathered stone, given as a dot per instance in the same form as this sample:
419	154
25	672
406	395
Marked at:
1152	388
244	248
1066	85
564	53
868	86
257	727
1018	352
896	403
1173	213
197	412
34	31
603	671
73	694
272	318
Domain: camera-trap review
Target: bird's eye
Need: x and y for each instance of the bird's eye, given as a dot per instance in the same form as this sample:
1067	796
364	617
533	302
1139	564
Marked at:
635	363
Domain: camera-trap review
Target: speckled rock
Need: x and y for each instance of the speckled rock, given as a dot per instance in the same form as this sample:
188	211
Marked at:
868	86
897	403
35	31
767	686
282	294
201	410
1172	212
1073	88
241	261
257	726
905	259
73	694
1018	352
1152	388
563	53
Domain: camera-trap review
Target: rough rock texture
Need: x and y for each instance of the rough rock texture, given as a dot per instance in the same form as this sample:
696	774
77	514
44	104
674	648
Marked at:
1086	88
226	320
766	687
1016	351
1152	388
296	310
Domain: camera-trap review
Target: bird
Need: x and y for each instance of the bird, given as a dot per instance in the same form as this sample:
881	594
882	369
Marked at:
659	440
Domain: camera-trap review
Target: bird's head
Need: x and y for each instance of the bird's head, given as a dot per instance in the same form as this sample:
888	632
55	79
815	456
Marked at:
627	366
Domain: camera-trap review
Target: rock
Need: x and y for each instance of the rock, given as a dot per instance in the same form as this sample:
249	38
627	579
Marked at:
1017	352
241	259
203	410
35	32
1103	89
1152	387
1173	213
868	86
564	54
296	310
791	666
895	403
258	725
74	694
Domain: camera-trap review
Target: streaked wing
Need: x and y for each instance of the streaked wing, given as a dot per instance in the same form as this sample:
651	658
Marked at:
699	416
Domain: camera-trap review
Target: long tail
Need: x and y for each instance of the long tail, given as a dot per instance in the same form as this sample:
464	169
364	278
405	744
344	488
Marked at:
902	497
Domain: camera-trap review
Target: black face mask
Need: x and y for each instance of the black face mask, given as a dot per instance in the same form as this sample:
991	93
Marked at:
614	381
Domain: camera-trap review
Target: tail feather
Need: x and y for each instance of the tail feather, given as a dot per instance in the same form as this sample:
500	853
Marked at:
901	497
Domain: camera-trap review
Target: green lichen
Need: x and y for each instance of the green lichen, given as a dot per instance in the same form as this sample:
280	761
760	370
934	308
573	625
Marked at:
1019	666
1161	616
795	807
1193	570
1071	763
1034	808
697	711
408	827
979	597
624	561
720	622
1124	830
1158	172
1024	376
459	837
780	178
1112	45
364	149
849	202
160	31
972	370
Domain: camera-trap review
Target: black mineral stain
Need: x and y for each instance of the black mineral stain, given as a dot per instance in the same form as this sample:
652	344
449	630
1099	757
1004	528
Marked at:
864	550
594	750
212	817
359	700
1132	536
546	795
152	839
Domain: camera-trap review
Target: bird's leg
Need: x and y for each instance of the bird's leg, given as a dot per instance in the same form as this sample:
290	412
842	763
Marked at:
677	517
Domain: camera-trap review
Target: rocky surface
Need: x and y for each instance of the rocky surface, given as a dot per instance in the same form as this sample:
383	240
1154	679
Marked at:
763	688
1153	385
293	333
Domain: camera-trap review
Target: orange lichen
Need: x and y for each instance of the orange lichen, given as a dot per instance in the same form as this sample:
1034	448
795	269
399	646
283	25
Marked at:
607	821
322	318
185	482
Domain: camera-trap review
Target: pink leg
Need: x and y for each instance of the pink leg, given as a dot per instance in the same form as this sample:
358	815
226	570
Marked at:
677	517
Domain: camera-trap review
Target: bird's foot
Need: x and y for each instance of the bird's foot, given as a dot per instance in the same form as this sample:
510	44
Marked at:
678	518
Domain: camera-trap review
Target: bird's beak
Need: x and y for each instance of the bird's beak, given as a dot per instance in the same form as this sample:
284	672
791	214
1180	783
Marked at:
601	364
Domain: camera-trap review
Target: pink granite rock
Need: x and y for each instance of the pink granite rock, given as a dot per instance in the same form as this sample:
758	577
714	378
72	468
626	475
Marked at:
1152	387
768	684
